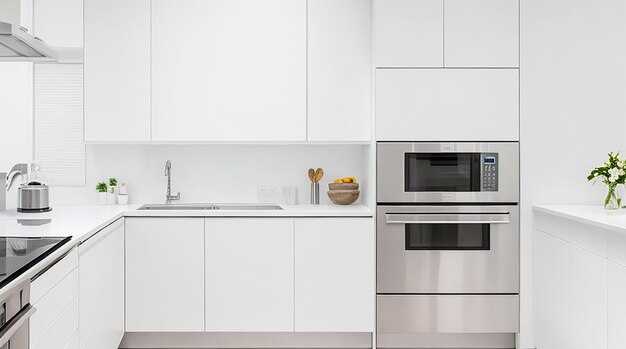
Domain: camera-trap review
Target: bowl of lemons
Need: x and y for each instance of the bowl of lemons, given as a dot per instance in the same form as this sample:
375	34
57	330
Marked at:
344	191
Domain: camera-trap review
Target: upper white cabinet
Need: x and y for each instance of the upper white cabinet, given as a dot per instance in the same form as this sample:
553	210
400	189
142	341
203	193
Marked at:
481	33
339	70
249	275
335	275
226	70
59	22
408	33
450	33
101	288
447	105
117	70
164	275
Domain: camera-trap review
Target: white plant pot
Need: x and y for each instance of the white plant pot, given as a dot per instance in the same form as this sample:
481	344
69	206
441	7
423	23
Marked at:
111	199
102	198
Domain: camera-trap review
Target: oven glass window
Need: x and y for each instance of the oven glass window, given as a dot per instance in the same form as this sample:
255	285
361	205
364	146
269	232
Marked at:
447	236
442	172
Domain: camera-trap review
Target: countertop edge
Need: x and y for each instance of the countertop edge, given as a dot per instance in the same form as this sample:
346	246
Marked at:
602	223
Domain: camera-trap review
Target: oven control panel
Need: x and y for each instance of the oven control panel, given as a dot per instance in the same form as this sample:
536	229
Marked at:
489	169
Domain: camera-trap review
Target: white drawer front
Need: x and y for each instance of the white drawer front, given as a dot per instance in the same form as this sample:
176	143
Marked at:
46	281
62	330
52	304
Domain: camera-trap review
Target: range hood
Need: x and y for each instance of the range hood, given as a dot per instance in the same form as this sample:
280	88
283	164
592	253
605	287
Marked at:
16	43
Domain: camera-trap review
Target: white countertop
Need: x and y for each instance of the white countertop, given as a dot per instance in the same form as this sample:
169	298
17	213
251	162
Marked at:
589	214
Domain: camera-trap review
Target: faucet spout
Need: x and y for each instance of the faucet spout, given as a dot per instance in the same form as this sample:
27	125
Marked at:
168	173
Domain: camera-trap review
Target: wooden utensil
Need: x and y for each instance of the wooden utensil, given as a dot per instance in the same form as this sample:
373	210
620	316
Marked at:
319	173
312	175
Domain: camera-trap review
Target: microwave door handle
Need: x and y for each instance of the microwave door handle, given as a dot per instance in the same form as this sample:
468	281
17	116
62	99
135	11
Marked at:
429	218
15	324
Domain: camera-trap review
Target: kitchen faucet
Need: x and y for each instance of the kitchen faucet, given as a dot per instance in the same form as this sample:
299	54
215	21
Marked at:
168	172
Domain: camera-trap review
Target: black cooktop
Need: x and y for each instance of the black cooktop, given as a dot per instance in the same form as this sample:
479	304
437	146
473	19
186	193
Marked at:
18	254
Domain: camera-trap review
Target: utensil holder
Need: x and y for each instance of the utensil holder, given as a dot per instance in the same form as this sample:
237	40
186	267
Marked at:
315	193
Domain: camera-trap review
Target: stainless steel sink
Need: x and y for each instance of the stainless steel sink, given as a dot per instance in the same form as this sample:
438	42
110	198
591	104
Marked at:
202	207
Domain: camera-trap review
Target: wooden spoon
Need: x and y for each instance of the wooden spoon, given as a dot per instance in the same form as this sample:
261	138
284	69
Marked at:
312	175
319	173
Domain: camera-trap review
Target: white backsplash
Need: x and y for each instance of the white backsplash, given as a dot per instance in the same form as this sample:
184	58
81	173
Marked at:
213	173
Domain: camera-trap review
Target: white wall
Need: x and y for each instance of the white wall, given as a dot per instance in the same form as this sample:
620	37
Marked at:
573	109
212	173
16	118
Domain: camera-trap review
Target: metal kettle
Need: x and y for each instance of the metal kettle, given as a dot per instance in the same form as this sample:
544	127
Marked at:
33	197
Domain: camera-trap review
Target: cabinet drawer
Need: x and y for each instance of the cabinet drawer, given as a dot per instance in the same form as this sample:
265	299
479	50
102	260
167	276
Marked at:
52	304
61	331
448	314
447	105
51	277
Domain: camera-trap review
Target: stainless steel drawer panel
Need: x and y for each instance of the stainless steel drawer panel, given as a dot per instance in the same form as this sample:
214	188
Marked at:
448	314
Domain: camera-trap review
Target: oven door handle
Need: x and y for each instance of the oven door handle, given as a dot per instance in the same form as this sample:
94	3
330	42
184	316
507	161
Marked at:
16	323
437	218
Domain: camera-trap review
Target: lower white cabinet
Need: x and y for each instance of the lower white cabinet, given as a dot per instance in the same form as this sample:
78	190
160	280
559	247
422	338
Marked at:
249	275
101	288
165	275
617	306
570	295
55	296
335	268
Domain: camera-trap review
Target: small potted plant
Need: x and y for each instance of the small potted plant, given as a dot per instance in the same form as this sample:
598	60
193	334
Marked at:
101	187
612	173
112	197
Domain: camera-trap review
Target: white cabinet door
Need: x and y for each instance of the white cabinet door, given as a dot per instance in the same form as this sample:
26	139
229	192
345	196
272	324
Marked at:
335	275
59	22
117	70
553	292
339	70
225	70
249	275
408	33
481	33
447	105
616	306
164	274
101	288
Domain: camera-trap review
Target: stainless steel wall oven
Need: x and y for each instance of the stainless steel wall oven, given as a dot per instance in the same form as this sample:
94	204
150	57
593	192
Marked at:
447	245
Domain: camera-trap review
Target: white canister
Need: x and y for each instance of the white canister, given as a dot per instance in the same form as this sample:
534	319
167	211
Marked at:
111	199
122	199
102	198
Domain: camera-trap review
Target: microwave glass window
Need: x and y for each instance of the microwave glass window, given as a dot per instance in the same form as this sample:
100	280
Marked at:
447	236
442	172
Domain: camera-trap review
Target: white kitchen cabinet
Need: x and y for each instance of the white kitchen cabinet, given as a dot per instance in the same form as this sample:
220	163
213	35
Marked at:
616	306
164	275
55	296
249	274
409	33
553	297
481	33
335	275
101	288
226	70
447	105
339	70
572	300
59	22
589	300
117	70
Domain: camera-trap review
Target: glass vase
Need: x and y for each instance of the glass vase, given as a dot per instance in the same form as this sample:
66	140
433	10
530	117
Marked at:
613	200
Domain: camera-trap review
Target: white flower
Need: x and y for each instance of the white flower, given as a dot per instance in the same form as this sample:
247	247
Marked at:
614	173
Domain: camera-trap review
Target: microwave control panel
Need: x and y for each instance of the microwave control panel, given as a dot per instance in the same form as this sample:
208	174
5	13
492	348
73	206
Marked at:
489	169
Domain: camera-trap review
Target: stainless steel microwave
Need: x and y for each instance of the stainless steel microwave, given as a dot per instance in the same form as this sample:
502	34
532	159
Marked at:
448	172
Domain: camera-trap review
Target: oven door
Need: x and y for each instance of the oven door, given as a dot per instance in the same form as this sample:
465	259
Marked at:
448	172
447	249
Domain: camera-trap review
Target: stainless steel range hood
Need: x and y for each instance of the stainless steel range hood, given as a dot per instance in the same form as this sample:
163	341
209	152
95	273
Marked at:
16	43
